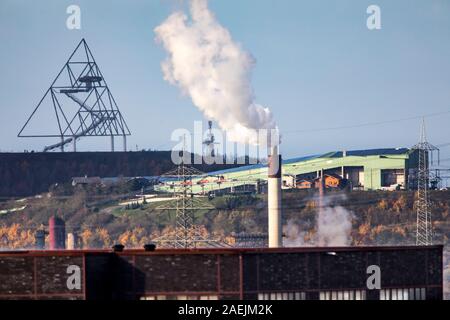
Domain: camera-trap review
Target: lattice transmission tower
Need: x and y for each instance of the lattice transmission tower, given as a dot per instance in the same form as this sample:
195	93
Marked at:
425	150
187	234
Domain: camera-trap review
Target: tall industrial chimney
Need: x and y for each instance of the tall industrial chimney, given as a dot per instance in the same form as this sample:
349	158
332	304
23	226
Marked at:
274	199
39	237
57	233
321	192
71	241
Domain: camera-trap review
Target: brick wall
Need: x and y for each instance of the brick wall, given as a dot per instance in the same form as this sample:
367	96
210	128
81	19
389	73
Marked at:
228	273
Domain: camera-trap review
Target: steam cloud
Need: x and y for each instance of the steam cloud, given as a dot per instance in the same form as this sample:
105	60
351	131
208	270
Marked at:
294	236
206	64
333	227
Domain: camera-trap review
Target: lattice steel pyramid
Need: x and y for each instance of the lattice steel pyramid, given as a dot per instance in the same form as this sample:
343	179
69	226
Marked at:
77	104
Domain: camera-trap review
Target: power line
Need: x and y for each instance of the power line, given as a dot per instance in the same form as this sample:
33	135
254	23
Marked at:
443	145
368	124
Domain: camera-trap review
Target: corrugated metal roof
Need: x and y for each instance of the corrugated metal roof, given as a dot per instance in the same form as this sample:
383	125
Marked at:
388	158
333	154
370	152
238	169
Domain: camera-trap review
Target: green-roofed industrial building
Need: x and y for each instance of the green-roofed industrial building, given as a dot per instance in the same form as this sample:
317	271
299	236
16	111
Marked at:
374	169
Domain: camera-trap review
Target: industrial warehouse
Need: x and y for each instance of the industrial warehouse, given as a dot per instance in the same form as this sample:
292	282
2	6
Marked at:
407	273
377	169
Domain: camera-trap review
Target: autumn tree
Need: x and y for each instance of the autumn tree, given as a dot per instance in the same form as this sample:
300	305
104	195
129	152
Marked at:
15	237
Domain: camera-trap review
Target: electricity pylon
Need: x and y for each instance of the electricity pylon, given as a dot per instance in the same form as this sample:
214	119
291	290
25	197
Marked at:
424	230
185	204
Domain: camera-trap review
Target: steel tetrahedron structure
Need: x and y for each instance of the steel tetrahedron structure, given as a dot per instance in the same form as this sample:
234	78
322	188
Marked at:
80	103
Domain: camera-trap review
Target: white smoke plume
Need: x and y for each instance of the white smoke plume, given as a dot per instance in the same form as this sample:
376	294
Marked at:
206	64
333	226
294	236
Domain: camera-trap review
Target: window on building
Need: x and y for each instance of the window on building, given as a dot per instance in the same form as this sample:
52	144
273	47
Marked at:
343	295
403	294
209	298
180	297
282	296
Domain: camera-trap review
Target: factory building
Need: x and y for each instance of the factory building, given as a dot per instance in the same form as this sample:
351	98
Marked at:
364	169
376	169
406	273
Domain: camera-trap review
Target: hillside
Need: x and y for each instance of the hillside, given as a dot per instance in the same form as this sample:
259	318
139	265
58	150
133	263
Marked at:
365	218
376	217
26	174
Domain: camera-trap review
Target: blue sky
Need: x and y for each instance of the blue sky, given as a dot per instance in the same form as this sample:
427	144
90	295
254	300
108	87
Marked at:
318	66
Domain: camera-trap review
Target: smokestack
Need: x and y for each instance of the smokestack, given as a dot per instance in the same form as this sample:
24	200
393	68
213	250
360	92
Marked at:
71	241
321	186
321	192
274	199
57	233
40	239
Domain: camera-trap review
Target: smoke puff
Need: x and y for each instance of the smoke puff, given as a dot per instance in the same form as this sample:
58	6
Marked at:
206	64
333	226
334	223
294	237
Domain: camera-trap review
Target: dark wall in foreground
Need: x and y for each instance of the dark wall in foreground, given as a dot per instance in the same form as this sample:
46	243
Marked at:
222	274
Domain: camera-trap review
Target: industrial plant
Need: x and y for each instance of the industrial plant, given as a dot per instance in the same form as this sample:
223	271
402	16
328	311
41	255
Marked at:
135	225
190	266
375	169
